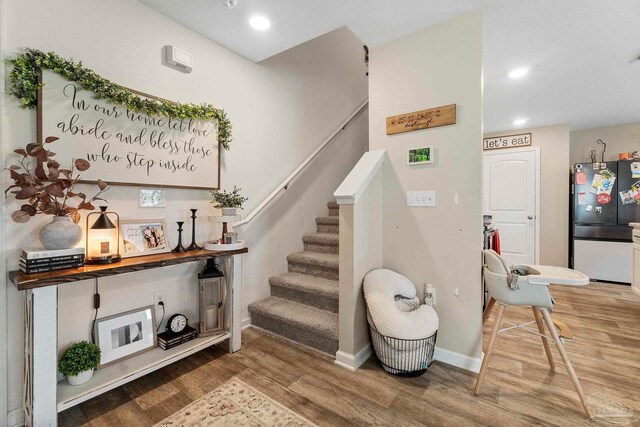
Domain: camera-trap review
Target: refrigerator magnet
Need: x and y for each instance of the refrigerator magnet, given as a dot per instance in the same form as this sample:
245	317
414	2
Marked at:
582	198
603	198
603	165
596	166
598	210
635	170
581	177
589	208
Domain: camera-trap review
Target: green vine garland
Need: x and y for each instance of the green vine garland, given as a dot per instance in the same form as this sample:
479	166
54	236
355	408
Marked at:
24	85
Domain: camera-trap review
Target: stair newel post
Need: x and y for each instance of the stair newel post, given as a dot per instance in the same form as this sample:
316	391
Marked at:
179	248
193	246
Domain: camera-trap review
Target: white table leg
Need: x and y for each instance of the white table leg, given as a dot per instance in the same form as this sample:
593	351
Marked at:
232	270
236	305
41	337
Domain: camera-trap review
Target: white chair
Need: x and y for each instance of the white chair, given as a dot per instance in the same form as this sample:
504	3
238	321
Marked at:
528	285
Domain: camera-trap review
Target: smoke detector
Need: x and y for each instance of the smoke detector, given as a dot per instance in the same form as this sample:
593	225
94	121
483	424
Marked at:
229	4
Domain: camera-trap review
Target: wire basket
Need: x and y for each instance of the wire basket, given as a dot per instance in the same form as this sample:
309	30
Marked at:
404	358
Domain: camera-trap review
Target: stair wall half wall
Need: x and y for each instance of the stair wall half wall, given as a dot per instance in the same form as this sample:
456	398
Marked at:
441	245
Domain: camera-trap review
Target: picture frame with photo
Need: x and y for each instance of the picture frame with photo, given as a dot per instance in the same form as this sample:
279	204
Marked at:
125	335
143	237
419	155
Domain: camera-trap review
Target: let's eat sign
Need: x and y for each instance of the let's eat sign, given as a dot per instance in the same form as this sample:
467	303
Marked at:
507	141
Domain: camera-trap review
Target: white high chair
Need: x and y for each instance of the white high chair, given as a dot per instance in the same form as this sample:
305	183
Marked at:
528	285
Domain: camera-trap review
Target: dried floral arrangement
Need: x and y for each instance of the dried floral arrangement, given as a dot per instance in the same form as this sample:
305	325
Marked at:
45	187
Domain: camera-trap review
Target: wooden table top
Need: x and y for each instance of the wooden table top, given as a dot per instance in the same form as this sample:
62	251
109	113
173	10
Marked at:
51	278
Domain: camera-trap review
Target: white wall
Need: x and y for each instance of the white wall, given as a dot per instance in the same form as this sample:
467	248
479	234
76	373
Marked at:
280	109
619	139
554	190
436	66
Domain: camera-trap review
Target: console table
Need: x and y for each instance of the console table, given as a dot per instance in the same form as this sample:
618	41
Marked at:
44	397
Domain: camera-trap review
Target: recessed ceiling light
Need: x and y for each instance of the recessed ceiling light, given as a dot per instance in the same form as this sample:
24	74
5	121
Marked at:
518	72
259	22
520	122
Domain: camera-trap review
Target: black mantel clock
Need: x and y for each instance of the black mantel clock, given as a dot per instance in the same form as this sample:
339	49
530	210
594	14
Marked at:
178	332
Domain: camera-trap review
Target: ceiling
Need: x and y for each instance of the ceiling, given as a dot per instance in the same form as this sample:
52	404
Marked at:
581	53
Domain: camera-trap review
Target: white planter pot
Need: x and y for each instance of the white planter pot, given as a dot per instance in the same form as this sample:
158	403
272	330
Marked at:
81	378
60	233
228	211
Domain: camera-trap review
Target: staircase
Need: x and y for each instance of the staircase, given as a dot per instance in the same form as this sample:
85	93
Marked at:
303	305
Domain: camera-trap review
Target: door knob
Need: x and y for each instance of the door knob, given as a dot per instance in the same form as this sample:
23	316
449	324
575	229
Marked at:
530	217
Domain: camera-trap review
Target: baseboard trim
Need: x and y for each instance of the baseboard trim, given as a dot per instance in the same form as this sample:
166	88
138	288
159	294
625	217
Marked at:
246	322
456	359
636	291
15	418
353	362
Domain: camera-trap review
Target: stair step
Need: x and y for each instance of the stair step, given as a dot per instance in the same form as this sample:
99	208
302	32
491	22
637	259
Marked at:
321	242
334	208
315	264
327	220
299	322
310	290
328	224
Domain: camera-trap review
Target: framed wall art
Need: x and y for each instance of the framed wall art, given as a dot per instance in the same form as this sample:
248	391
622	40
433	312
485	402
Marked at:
125	334
419	156
143	237
127	147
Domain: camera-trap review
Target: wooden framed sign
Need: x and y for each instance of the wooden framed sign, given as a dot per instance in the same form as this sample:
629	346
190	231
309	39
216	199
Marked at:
125	147
507	141
424	119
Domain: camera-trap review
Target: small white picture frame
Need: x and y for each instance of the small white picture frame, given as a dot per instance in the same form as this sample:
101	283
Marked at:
419	155
124	335
151	198
143	237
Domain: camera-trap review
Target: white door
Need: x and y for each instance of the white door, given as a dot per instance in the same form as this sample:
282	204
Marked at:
509	195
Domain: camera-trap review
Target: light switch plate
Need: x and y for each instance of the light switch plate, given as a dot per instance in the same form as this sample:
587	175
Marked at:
421	198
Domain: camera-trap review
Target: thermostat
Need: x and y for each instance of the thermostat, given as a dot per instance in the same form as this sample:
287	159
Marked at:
178	59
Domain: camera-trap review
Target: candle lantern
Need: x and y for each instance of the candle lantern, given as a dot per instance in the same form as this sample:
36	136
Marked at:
103	237
212	299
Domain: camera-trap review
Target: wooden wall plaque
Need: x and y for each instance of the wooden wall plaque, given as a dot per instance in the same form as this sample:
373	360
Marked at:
423	119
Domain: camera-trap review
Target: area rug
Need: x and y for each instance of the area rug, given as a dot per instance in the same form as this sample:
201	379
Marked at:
235	404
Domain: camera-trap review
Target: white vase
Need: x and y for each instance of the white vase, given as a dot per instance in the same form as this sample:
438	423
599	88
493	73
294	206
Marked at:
81	378
60	233
228	211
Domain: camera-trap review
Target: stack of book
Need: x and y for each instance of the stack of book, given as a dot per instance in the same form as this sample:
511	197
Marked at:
167	339
42	260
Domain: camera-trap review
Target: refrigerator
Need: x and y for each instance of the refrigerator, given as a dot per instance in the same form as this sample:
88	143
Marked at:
606	199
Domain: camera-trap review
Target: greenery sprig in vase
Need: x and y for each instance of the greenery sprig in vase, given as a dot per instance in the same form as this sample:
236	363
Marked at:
228	201
78	362
47	188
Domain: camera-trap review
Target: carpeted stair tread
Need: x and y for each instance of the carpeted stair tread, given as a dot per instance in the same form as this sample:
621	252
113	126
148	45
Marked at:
306	283
333	205
328	220
331	239
315	259
294	315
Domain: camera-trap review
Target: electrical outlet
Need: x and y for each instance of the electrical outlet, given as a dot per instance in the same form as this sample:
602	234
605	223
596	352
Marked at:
159	296
429	294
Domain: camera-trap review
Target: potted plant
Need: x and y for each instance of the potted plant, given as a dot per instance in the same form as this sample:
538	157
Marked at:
228	202
48	189
78	362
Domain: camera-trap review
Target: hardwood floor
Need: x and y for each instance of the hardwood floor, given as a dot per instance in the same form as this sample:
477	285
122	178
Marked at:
519	388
